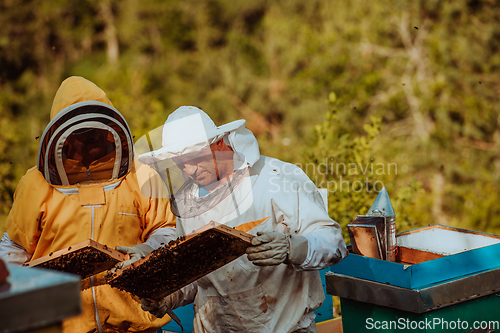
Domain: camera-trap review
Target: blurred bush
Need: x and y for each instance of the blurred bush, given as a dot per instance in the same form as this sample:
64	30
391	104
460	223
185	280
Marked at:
416	87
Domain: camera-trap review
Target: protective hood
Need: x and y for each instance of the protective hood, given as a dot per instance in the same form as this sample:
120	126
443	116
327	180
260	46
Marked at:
194	133
189	129
79	107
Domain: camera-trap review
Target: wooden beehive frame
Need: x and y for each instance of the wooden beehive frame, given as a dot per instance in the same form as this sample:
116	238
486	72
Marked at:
406	255
179	263
85	259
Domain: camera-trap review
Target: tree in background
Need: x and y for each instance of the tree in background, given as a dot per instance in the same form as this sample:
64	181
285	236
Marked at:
417	80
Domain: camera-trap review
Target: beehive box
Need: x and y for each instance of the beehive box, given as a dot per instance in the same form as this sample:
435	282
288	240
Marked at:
454	252
38	300
85	259
443	274
181	262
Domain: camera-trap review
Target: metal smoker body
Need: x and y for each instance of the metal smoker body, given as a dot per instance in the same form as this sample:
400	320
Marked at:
374	234
382	207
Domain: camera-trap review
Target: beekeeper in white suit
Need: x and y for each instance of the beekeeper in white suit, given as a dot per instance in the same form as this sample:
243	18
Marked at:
276	286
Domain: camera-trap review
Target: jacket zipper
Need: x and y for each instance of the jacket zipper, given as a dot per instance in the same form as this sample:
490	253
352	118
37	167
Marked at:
99	326
70	191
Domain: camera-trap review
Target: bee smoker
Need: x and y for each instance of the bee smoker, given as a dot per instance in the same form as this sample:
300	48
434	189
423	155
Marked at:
374	234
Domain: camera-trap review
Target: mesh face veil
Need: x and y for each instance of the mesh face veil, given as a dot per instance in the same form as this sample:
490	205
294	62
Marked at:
195	182
87	141
201	167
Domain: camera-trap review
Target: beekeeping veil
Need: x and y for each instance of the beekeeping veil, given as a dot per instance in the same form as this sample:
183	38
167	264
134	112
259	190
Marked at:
82	109
186	136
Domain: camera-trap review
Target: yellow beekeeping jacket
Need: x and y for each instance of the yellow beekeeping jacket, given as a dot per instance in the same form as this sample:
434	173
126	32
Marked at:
50	212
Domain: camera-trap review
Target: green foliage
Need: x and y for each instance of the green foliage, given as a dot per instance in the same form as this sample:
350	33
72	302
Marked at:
344	164
416	87
404	204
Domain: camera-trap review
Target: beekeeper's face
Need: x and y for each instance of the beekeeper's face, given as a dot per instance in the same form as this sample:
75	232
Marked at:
87	145
207	166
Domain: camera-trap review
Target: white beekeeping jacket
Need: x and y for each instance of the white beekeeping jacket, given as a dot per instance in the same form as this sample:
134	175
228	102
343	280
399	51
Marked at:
243	297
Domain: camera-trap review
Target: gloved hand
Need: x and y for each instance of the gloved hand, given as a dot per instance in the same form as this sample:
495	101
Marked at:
136	252
157	309
274	248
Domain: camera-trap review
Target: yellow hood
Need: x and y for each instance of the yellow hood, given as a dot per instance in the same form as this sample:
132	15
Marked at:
77	89
78	105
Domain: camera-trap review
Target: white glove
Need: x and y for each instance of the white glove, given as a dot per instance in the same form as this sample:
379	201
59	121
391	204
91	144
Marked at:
136	252
274	248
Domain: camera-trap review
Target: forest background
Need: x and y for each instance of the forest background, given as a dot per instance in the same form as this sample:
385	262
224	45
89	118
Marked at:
360	94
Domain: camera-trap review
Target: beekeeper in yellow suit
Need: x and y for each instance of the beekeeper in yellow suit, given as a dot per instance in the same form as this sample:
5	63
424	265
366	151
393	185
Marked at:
85	187
275	287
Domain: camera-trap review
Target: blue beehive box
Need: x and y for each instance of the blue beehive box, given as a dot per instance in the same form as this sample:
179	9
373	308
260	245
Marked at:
464	252
460	269
37	299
